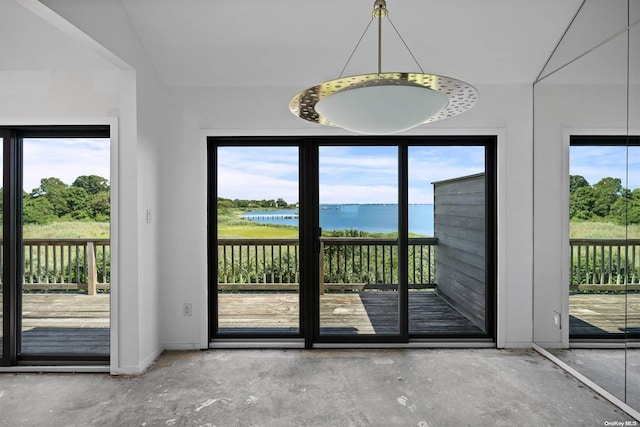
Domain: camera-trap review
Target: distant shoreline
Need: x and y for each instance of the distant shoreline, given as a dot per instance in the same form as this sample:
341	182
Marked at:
379	218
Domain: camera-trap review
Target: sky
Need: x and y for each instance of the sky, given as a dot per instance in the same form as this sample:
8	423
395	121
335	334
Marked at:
359	174
597	162
65	159
354	174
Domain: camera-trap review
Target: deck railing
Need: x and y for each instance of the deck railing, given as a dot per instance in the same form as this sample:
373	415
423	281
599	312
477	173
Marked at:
66	265
348	263
605	264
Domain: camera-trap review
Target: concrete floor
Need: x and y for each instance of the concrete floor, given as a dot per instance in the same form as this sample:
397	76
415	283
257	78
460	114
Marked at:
615	370
467	387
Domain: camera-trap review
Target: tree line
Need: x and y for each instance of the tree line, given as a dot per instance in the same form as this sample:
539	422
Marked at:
606	200
86	199
254	204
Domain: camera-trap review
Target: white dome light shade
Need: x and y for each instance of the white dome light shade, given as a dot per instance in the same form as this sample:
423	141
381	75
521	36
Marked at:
383	103
381	110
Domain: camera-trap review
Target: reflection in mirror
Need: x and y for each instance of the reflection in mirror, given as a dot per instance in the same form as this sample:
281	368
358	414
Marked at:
601	262
633	170
1	251
586	261
583	36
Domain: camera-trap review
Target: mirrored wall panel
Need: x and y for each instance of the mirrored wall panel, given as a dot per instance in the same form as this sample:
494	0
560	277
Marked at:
587	198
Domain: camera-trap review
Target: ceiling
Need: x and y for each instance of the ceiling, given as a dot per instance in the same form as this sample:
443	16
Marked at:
303	42
204	43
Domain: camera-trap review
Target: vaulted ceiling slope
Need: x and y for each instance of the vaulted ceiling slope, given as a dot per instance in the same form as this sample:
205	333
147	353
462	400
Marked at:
218	43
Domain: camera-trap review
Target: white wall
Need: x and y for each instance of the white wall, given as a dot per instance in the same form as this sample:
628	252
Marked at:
505	111
167	164
561	111
587	96
109	24
76	83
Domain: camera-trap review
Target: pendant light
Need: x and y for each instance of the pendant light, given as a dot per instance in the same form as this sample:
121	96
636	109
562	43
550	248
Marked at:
383	102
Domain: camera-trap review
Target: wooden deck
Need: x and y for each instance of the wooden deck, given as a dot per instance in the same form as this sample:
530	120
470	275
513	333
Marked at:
79	324
355	313
64	324
604	314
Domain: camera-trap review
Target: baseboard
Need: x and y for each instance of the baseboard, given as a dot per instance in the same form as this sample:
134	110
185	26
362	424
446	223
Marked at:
183	346
517	344
141	367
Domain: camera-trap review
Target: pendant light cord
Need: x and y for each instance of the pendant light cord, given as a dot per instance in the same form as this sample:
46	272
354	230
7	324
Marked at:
355	48
380	46
379	41
405	45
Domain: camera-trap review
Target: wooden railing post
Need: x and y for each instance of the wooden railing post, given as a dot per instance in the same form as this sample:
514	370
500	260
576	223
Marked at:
321	269
92	270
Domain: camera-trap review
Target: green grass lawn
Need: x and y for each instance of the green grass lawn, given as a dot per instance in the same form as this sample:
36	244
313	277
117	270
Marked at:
239	228
67	230
585	230
602	230
251	231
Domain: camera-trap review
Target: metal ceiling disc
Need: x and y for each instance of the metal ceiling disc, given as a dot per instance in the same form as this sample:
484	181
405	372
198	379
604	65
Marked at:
461	95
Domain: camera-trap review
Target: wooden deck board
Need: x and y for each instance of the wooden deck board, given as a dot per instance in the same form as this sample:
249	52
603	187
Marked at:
604	314
72	323
64	324
373	312
57	323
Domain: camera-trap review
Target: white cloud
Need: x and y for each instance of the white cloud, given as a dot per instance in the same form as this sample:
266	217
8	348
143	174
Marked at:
65	159
358	174
345	193
258	173
597	162
238	184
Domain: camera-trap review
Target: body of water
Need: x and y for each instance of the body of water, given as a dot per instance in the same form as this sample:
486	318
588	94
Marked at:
374	218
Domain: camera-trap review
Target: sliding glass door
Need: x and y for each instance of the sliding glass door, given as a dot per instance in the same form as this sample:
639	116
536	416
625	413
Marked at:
65	294
450	221
359	256
352	240
258	290
56	248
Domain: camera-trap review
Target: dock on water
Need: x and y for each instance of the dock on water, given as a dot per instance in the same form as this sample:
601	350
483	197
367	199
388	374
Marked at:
258	217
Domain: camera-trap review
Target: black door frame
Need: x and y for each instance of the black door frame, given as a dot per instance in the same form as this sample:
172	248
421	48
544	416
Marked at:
13	252
309	229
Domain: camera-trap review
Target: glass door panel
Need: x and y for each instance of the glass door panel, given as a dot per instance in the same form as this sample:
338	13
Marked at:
258	275
597	213
65	294
358	188
447	240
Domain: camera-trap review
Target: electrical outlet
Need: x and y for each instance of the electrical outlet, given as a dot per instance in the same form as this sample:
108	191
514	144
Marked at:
187	309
